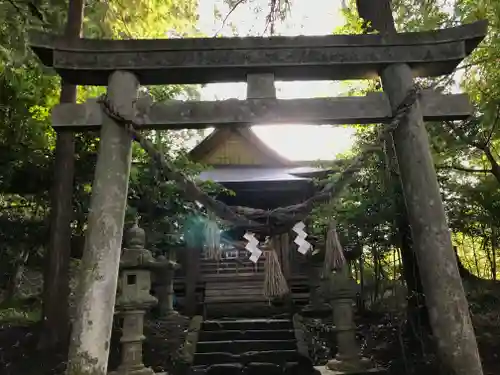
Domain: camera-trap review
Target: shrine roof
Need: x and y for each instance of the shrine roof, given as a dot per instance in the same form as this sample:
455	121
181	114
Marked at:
249	174
220	135
276	168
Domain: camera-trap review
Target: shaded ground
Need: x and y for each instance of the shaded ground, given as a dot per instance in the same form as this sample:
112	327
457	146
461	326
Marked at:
383	338
19	354
388	344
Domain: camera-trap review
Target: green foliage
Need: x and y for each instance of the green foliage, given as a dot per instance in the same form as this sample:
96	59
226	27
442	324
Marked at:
19	312
465	153
28	92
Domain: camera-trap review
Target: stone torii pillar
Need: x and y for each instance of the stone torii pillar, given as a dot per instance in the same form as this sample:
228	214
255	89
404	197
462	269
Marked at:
445	296
90	337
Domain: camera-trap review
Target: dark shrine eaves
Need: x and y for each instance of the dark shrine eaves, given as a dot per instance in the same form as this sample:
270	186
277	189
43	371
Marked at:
207	60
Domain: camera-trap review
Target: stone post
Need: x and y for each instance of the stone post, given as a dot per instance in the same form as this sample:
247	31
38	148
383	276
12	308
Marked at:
261	86
314	277
90	337
442	285
444	293
167	266
341	290
134	300
316	306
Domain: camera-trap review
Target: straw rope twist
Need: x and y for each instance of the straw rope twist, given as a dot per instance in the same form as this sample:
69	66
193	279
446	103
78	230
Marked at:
268	222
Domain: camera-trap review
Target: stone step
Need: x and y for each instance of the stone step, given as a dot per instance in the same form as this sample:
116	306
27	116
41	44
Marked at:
231	269
244	346
279	357
282	334
247	324
239	369
256	368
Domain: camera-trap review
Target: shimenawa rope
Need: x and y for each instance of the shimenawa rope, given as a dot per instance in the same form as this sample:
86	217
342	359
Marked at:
275	221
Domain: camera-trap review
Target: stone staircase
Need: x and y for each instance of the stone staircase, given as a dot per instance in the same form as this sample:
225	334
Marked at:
250	347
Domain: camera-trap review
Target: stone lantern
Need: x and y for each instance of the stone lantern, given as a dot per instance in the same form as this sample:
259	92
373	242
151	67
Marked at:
133	300
166	267
340	289
316	306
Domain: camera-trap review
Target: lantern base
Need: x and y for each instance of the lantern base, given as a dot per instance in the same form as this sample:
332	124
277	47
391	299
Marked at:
132	371
351	366
318	310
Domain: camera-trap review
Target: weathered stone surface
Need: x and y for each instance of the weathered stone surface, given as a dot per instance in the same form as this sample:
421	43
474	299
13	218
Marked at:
301	367
373	108
261	86
323	370
255	355
247	324
226	369
300	336
242	346
90	338
271	356
165	278
444	293
284	334
445	299
189	347
133	300
204	60
257	368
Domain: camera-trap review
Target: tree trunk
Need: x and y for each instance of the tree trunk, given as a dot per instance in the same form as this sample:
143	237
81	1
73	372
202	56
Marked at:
362	282
56	272
376	275
417	310
493	253
377	15
15	279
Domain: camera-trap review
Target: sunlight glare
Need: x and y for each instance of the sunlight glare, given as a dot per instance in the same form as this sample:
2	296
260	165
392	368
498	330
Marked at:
295	142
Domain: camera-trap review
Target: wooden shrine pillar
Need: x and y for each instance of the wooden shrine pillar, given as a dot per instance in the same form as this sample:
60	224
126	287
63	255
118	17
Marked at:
90	337
285	260
446	301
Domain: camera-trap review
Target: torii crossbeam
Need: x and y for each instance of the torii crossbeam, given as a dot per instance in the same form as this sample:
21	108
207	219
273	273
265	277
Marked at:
205	60
370	109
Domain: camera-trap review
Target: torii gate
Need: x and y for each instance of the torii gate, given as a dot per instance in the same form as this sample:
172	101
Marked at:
124	64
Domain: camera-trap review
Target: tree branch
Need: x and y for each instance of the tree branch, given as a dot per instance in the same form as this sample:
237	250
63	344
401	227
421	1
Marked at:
463	137
233	8
495	168
493	127
463	169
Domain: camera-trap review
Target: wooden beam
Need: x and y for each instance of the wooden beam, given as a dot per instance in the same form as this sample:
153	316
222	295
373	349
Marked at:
206	60
373	108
